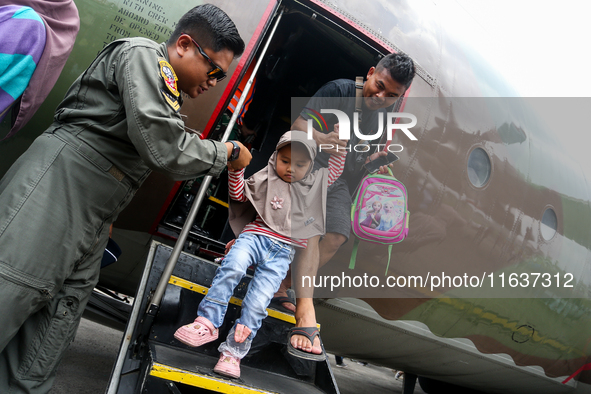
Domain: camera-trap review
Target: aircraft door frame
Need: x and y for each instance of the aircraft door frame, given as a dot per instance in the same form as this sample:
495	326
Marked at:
179	244
267	20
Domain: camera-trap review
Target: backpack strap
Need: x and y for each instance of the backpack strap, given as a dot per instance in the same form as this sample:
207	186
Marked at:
389	255
358	95
354	254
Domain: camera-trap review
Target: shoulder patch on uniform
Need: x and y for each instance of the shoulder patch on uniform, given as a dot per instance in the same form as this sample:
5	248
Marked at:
169	76
172	101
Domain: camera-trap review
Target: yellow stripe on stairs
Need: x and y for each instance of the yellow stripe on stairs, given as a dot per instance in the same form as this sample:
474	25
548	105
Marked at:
203	381
176	281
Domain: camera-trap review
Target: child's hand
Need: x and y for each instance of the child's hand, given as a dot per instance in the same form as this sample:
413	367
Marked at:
229	246
242	332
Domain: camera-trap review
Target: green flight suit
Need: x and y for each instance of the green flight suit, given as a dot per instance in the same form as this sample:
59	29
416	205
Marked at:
117	123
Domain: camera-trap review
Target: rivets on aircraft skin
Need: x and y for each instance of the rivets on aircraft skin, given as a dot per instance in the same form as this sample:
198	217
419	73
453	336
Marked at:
523	333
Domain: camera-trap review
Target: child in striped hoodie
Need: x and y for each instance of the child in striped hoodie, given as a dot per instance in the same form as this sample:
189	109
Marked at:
287	201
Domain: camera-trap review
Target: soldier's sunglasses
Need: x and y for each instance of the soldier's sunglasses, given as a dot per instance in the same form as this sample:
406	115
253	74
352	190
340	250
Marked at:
216	71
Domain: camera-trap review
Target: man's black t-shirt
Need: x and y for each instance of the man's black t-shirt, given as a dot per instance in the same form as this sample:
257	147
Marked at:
340	94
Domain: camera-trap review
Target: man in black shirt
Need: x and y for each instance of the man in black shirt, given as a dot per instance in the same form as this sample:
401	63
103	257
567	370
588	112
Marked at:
385	83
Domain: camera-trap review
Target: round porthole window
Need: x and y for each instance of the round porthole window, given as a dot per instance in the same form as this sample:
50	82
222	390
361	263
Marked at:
479	167
549	224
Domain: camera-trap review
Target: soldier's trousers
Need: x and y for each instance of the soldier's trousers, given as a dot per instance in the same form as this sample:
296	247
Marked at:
29	361
56	206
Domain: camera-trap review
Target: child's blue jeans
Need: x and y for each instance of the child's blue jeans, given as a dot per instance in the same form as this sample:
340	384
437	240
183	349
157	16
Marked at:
271	261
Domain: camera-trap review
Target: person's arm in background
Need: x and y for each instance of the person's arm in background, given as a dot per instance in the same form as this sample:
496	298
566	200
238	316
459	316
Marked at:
22	41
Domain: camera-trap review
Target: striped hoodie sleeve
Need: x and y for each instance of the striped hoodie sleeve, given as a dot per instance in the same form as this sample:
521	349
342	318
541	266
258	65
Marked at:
336	165
236	185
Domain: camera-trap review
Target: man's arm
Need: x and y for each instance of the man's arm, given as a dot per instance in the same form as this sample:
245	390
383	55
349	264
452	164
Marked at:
155	127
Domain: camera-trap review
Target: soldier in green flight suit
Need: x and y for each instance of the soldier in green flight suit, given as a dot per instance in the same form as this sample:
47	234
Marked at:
119	121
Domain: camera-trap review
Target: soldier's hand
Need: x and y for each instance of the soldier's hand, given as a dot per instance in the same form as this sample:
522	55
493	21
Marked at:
243	159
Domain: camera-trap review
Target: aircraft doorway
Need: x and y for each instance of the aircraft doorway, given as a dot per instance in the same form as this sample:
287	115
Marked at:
308	49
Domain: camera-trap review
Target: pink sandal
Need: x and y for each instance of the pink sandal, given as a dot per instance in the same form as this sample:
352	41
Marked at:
198	333
228	366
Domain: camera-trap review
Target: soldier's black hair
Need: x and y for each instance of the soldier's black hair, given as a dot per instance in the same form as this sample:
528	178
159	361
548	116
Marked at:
400	66
211	27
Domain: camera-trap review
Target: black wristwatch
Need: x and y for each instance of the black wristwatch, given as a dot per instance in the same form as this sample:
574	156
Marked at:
235	151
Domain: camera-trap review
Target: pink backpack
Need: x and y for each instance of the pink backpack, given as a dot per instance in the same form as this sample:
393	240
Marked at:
379	213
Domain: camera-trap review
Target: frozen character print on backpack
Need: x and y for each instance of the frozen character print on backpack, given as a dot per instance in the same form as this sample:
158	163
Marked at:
390	217
373	215
381	198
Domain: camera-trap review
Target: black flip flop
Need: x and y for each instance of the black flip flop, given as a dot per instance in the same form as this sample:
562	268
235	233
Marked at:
277	303
311	333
